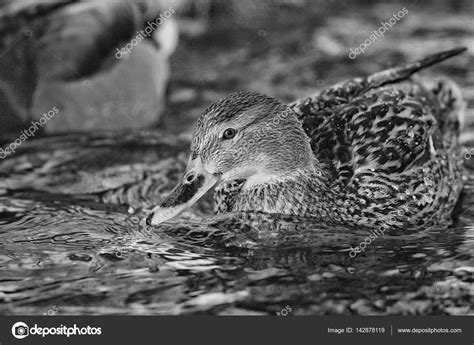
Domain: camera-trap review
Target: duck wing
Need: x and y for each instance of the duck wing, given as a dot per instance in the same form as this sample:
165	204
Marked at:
386	122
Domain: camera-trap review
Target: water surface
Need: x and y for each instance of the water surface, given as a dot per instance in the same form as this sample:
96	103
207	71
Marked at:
73	241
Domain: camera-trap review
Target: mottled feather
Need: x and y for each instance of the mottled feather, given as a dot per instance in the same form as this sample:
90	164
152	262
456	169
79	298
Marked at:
387	144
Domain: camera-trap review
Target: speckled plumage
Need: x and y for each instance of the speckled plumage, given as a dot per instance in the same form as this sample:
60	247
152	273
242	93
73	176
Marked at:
387	148
372	151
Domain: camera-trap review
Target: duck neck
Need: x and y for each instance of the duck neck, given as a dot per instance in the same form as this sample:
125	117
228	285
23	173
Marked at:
300	192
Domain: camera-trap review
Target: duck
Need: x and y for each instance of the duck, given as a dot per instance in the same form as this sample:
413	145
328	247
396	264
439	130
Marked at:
104	65
379	151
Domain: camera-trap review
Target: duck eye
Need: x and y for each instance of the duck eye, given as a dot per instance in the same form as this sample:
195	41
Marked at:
190	178
229	133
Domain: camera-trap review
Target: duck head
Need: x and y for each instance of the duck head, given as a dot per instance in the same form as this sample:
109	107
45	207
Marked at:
245	136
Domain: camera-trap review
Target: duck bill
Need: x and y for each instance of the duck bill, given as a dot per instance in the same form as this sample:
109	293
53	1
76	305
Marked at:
195	183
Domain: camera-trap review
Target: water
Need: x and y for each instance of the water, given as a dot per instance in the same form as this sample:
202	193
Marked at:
72	241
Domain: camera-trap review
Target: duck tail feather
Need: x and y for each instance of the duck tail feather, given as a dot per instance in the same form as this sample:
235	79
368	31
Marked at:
398	73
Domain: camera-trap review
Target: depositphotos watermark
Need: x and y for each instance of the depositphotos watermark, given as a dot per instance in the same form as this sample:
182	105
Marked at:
374	234
52	311
376	34
21	330
253	141
468	153
368	240
142	34
27	133
285	311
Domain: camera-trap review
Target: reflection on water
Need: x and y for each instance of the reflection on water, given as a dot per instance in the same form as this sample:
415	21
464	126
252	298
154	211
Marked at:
72	241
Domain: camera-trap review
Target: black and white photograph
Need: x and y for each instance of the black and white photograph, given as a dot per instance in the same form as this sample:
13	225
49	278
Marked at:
247	172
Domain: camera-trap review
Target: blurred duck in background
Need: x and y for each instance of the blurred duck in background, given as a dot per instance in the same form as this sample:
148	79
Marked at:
101	64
